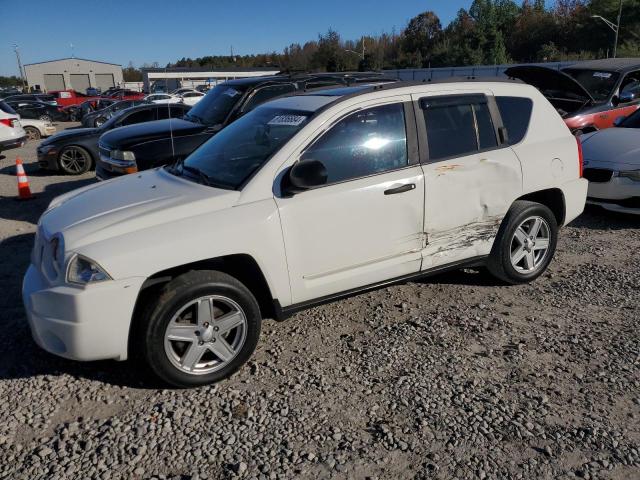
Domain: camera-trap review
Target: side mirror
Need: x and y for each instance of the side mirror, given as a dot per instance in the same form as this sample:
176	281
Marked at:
626	97
618	121
304	175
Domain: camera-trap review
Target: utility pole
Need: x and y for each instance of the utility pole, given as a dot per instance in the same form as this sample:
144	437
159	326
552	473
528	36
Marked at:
15	49
613	26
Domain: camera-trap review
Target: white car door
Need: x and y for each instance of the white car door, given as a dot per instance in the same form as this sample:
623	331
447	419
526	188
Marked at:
365	225
472	176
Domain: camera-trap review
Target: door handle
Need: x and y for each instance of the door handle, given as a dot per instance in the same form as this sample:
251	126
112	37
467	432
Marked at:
401	189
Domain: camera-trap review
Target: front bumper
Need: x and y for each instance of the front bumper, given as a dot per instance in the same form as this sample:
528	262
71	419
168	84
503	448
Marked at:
90	323
48	159
617	195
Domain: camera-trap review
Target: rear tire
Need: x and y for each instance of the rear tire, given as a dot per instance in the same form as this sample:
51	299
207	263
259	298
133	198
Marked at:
32	133
98	122
45	118
525	244
201	329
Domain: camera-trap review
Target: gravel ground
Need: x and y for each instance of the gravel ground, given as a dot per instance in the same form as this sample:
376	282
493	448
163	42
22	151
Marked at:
455	376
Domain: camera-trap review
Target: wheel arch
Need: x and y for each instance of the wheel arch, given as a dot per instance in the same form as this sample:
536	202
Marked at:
243	267
552	198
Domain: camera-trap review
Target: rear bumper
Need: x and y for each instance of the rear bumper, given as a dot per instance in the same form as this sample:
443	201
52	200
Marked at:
575	197
13	143
90	323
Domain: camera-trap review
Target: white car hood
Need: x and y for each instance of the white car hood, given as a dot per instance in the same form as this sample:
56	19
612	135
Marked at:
613	148
129	204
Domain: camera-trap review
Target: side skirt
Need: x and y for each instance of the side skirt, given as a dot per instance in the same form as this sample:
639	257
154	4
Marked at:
282	313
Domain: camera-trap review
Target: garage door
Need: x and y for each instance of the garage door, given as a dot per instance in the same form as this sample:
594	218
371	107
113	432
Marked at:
104	81
53	82
80	82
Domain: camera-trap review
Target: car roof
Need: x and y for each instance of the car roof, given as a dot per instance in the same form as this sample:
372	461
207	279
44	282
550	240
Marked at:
610	64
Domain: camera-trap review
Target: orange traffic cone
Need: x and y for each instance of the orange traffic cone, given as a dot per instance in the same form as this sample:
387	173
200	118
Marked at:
24	192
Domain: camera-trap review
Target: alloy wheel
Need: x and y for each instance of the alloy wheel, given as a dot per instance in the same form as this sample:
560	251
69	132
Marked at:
32	133
73	160
205	335
530	244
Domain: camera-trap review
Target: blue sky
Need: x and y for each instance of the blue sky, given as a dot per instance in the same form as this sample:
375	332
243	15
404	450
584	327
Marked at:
159	31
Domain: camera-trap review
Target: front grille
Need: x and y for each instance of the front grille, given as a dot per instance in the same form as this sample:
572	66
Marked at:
597	175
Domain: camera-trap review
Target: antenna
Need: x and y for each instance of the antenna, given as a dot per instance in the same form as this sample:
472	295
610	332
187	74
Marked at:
72	54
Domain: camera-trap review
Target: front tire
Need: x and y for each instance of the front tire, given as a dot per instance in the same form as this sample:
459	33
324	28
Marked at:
74	160
98	122
45	118
201	329
525	244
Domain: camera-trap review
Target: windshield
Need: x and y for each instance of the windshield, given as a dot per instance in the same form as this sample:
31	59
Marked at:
235	153
600	85
215	106
6	108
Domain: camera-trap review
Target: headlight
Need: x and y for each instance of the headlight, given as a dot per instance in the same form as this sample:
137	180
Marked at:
82	271
123	155
631	174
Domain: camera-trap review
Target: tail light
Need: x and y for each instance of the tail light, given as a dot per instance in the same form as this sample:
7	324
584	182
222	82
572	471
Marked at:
9	122
580	157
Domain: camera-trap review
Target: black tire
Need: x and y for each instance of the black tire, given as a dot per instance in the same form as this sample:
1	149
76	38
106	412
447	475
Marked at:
161	310
500	260
45	118
98	122
84	160
32	133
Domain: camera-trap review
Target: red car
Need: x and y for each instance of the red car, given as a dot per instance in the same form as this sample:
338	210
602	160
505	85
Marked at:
72	97
589	95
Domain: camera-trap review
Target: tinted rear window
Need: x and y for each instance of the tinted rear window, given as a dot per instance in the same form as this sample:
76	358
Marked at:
516	115
7	109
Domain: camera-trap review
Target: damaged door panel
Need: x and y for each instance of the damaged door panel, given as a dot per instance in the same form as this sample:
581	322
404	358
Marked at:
471	176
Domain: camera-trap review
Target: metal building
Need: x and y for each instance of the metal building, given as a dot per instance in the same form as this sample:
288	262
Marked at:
174	77
73	73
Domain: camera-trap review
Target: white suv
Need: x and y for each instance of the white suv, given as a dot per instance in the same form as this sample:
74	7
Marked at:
12	135
304	200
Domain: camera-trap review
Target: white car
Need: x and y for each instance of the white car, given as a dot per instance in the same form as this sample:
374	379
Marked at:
191	98
303	200
612	166
37	129
162	98
12	135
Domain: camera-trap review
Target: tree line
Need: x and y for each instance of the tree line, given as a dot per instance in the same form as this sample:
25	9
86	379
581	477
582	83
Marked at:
490	32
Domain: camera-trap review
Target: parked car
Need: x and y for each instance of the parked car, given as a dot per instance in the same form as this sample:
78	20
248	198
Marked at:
203	88
588	95
124	94
75	151
78	112
162	98
98	117
303	200
64	98
12	135
612	166
39	97
190	98
181	90
37	129
92	91
7	92
38	110
152	145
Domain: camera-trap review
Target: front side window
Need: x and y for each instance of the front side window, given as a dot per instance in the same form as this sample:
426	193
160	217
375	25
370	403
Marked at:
139	117
215	107
229	158
364	143
458	126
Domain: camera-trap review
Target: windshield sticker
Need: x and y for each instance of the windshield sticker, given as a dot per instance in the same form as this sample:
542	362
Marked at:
289	120
602	75
231	92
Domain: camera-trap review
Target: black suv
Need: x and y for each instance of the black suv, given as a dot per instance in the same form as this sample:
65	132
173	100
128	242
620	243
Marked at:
145	146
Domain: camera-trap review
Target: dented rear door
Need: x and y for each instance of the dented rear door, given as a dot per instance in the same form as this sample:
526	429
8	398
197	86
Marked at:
471	175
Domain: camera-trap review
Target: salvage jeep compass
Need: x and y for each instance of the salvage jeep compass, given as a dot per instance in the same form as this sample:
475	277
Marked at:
304	200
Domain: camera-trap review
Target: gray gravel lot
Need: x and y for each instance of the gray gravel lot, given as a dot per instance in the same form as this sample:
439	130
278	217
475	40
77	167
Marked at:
455	376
